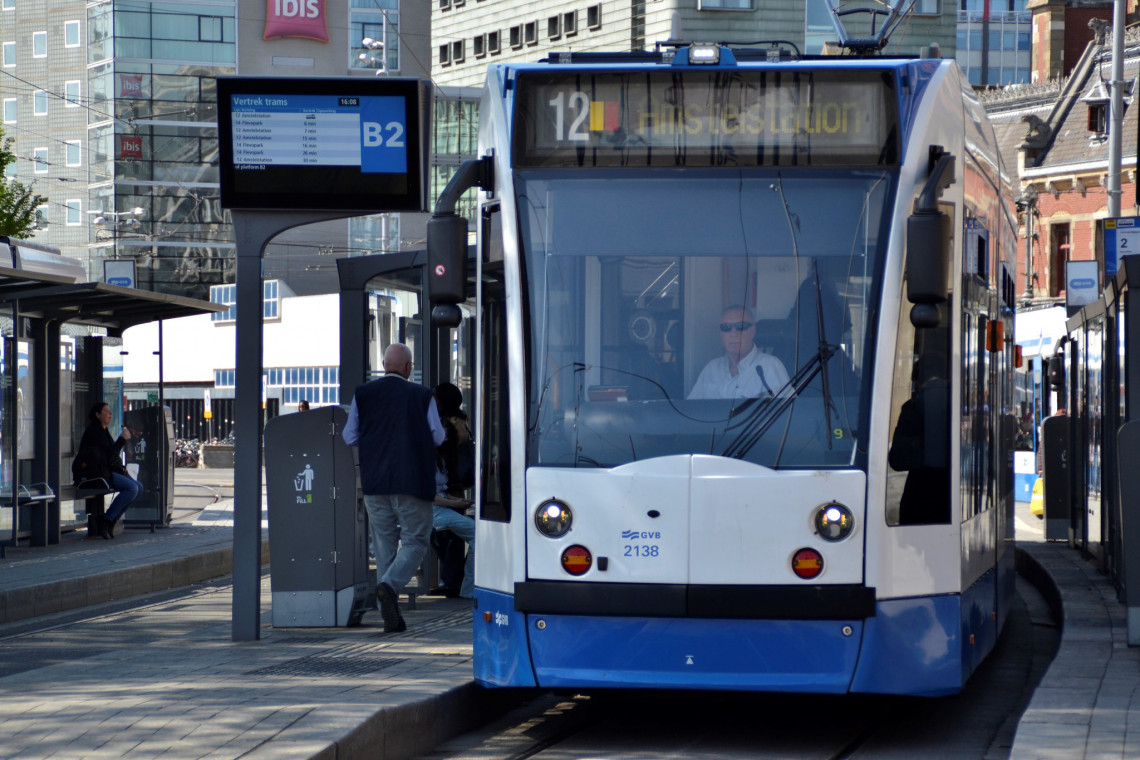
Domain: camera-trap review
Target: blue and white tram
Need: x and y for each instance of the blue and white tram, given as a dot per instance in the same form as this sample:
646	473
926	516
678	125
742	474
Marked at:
844	525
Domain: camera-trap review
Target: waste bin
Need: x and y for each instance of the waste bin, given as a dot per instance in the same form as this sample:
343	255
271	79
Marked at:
151	447
318	529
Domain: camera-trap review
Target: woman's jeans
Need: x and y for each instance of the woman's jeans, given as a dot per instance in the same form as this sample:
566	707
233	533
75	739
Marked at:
129	489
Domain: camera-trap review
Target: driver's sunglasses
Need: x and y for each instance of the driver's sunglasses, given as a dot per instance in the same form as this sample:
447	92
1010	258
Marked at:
738	326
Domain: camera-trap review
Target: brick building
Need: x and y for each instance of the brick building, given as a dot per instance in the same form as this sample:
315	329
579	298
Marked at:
1054	138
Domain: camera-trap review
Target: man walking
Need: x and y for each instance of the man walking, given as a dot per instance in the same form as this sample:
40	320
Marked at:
396	426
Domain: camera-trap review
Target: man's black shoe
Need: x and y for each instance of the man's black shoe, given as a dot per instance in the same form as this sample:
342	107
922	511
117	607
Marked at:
389	609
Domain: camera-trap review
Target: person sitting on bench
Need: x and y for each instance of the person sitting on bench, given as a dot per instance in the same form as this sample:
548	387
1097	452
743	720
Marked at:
109	466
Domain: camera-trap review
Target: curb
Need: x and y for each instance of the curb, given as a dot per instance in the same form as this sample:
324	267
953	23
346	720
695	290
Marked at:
117	583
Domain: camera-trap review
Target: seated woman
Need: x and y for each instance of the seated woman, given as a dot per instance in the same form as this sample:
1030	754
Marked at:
97	437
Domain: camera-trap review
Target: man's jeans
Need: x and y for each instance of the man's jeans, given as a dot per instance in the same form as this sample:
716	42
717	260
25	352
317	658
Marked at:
445	518
398	520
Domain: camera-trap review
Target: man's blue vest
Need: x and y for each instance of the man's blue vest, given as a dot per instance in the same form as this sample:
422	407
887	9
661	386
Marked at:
397	453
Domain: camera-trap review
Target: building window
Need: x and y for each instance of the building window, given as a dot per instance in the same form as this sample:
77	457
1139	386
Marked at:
594	16
493	46
9	53
8	5
39	44
724	5
227	296
459	3
271	302
317	385
10	110
42	219
530	32
74	152
374	32
1058	255
226	378
40	159
40	103
74	207
516	37
479	45
444	5
554	27
71	34
570	23
209	28
1098	118
458	51
71	90
445	54
924	7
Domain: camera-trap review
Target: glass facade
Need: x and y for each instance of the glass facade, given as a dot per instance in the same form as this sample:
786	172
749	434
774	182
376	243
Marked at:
455	138
994	45
153	66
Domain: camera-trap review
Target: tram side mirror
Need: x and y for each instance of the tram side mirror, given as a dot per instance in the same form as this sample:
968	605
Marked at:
447	267
928	241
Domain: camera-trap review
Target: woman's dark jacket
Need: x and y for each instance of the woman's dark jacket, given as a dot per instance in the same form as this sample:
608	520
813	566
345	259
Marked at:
97	437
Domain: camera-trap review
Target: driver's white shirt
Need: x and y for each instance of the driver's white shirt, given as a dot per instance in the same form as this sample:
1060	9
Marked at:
759	375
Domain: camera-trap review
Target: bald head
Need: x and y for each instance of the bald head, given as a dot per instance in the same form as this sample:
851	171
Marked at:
398	359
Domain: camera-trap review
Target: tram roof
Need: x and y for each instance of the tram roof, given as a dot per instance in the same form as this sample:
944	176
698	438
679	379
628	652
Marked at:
733	58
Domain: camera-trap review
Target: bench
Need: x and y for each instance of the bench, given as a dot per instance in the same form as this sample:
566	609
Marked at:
44	516
93	492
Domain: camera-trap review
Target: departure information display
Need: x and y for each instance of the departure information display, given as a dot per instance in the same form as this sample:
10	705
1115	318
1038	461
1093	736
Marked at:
706	117
322	144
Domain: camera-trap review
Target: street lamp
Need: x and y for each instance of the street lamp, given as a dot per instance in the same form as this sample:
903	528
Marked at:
374	54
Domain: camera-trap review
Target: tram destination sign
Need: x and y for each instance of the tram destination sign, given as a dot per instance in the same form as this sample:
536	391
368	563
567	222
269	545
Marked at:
706	117
323	144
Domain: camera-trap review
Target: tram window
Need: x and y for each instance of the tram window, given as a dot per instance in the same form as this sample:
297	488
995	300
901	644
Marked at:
626	312
918	472
494	415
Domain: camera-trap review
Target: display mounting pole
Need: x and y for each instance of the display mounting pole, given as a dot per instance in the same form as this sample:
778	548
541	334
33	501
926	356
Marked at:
253	231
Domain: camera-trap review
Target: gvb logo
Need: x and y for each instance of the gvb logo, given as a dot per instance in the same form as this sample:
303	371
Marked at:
303	484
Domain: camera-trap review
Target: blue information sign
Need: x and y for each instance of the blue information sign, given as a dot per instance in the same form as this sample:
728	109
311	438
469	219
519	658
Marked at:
1121	237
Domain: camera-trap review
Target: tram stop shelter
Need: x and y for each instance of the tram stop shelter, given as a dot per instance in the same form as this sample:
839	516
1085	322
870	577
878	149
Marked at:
53	323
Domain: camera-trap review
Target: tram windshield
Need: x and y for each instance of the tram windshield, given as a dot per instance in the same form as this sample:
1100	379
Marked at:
704	312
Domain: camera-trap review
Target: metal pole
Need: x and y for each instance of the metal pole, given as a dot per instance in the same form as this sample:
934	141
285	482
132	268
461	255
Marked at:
1116	109
1030	208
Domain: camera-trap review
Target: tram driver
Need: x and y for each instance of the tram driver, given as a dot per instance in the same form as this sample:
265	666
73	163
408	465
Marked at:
744	371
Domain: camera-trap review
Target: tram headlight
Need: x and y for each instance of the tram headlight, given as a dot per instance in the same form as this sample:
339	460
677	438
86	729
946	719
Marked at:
834	522
553	518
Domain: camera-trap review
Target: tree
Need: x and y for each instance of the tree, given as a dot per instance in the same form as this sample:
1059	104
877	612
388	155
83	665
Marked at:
17	201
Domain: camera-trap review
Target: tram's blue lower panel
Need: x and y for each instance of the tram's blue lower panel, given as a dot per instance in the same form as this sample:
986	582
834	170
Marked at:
693	653
500	648
979	621
913	646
